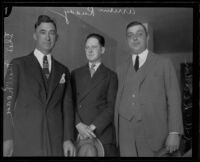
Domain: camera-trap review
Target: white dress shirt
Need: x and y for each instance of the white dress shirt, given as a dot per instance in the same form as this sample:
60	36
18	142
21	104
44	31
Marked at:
142	57
39	55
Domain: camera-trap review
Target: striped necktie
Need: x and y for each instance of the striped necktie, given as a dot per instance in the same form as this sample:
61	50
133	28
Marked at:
46	66
92	70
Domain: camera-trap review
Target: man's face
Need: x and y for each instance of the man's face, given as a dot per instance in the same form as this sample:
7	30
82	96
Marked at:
93	49
45	36
137	39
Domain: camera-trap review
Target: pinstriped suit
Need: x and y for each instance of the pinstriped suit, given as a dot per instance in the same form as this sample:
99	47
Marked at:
38	120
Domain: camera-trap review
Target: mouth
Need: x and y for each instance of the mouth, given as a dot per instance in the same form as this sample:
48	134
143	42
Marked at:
136	43
90	55
47	44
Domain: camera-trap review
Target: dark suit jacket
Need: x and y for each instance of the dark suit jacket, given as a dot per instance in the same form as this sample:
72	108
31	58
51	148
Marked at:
158	100
38	121
95	99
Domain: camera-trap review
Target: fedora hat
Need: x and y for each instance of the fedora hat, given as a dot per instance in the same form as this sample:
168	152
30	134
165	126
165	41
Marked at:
89	147
164	153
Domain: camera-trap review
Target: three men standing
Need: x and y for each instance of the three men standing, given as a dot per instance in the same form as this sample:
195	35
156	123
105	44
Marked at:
38	102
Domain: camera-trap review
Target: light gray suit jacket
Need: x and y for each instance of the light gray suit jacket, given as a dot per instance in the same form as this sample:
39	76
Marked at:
159	99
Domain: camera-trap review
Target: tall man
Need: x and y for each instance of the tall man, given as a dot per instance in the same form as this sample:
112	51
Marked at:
148	115
38	111
95	89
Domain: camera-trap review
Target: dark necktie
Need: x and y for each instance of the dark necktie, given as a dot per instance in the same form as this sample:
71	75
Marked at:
46	66
92	70
136	66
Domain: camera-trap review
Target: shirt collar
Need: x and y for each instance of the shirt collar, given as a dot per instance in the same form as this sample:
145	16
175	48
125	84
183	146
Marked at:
142	54
97	64
39	55
142	57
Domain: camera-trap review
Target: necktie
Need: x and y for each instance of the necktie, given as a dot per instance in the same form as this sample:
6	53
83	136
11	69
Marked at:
46	66
92	70
136	66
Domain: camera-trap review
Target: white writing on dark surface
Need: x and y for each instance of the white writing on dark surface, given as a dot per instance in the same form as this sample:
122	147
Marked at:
91	11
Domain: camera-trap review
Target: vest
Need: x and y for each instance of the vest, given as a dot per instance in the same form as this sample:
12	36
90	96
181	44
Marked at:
129	106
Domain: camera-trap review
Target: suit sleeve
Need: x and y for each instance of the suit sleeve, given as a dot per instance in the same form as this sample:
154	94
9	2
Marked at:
11	82
73	83
68	110
175	123
107	116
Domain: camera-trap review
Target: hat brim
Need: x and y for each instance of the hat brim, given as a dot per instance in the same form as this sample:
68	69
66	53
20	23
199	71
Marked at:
94	142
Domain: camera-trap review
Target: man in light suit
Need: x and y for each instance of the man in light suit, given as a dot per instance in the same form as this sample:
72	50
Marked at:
38	106
148	115
95	90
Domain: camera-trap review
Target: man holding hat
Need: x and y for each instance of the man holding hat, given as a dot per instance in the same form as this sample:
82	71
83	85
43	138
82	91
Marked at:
95	87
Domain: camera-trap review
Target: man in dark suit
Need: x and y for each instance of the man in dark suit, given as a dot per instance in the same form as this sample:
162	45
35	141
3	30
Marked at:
38	106
95	88
148	115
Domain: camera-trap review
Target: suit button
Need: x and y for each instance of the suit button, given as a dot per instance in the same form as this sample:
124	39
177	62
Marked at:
80	106
133	95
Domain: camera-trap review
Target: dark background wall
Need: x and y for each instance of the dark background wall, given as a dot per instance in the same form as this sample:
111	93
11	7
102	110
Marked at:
170	31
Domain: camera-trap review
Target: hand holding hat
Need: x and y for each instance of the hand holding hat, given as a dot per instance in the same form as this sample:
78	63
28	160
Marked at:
85	131
172	142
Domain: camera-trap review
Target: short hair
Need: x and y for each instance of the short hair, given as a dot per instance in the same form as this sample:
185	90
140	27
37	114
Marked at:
134	23
45	19
99	37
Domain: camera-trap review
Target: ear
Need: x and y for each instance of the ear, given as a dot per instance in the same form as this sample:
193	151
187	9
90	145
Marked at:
148	40
148	37
34	36
57	36
102	50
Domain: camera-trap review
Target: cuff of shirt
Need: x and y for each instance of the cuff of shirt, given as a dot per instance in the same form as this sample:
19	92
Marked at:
174	133
78	124
92	127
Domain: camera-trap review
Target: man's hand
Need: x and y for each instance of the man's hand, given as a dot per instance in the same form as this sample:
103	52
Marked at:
8	148
69	149
85	131
172	142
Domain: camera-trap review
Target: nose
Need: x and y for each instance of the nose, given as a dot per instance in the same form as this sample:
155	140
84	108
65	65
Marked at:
135	38
47	37
90	50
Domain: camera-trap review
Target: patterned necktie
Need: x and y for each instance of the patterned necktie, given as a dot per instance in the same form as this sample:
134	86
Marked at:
136	66
46	66
92	70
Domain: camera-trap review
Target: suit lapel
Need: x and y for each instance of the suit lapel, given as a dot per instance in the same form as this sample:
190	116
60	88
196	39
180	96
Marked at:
36	72
97	78
122	75
148	65
56	73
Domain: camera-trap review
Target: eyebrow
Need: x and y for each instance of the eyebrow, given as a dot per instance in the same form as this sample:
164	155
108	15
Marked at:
137	31
47	30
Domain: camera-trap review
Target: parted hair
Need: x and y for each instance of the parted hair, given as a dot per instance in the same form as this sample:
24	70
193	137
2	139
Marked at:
134	23
46	19
99	37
